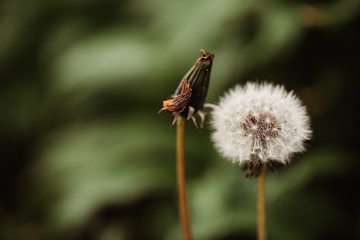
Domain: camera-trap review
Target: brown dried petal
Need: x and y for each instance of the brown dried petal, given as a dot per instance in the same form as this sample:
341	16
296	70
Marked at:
179	102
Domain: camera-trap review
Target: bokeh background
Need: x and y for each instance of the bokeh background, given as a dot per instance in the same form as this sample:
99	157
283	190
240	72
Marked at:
84	154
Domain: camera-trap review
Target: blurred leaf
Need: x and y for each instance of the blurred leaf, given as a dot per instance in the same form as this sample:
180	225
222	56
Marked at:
90	165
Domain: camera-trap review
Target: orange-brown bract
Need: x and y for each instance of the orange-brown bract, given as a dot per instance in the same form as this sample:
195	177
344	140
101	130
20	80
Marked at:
179	102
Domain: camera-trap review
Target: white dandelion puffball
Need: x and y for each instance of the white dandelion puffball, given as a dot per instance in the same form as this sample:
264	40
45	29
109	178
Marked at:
260	120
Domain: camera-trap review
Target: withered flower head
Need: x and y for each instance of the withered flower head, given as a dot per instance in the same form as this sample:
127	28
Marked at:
191	93
260	124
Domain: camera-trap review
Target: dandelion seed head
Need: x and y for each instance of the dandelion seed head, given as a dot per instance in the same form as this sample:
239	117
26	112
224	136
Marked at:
261	119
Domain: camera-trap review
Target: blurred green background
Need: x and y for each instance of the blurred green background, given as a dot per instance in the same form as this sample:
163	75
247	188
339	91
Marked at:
84	154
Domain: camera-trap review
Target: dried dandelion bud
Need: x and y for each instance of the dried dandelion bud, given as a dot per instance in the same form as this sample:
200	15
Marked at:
260	124
191	93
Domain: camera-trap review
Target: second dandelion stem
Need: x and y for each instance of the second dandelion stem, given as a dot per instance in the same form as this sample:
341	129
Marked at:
261	205
181	178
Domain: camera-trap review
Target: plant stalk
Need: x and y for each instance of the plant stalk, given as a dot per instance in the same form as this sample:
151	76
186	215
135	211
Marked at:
181	178
261	205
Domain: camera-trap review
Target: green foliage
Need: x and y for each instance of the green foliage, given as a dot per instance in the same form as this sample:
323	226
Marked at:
84	154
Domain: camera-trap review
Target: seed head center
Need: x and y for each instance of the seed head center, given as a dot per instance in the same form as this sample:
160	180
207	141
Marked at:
263	126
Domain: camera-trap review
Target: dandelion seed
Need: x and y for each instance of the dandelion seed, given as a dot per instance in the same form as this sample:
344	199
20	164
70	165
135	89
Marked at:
269	124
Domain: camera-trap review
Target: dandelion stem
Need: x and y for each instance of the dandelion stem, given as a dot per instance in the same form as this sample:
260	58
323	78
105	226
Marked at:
181	178
261	205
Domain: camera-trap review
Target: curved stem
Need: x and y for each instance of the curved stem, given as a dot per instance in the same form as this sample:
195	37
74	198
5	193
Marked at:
261	205
181	178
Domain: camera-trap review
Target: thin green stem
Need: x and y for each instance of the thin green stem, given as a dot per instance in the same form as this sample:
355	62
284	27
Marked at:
181	178
261	205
